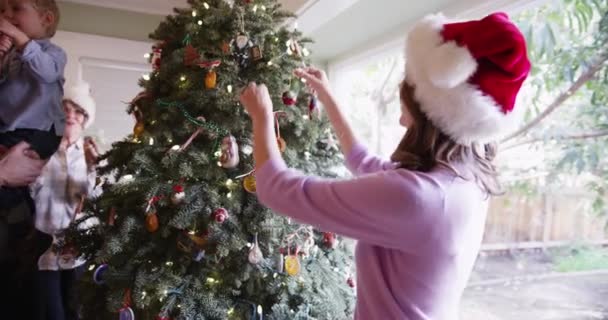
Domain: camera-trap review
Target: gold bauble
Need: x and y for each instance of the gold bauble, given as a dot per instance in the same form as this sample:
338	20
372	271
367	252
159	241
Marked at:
139	129
292	265
249	184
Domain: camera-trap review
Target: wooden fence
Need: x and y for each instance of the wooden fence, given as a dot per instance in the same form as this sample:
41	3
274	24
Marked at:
546	220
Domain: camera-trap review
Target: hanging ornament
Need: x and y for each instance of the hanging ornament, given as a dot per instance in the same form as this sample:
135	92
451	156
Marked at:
139	129
351	282
112	217
211	77
282	144
178	194
98	274
289	98
280	263
242	41
198	255
220	215
292	264
313	107
126	313
191	243
293	47
280	141
329	239
241	47
309	243
330	142
249	183
157	52
151	217
255	253
152	222
159	317
256	53
229	157
191	56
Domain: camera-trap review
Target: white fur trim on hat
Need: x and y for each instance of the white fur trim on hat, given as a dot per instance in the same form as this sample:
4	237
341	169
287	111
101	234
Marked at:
80	94
439	72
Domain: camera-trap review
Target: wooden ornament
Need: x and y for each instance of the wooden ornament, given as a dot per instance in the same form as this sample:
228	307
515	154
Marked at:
211	79
282	144
256	53
152	222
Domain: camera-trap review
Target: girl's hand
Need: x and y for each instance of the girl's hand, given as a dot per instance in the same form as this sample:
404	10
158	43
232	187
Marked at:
257	102
316	80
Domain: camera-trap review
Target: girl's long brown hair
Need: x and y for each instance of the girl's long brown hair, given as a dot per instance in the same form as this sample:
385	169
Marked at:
424	147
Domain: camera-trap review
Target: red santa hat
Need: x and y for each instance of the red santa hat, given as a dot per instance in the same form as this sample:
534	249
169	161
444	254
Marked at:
467	75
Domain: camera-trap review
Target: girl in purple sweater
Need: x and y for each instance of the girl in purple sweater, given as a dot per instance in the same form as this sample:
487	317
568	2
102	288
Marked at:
419	218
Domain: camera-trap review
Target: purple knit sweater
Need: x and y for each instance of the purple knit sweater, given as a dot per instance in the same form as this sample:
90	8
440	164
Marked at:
418	233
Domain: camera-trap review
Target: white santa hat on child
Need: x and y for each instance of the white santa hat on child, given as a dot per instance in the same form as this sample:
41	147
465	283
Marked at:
467	75
80	94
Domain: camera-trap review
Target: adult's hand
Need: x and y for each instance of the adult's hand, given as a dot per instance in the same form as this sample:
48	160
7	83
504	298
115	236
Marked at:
18	167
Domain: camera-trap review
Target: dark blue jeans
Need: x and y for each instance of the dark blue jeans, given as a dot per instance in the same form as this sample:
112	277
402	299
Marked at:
57	298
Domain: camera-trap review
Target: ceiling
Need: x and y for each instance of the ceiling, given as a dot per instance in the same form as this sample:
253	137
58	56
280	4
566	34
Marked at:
340	28
165	6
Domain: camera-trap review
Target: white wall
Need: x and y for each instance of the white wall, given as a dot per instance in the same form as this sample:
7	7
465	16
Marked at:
112	67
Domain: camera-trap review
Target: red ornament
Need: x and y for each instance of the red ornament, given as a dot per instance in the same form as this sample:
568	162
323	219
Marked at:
289	98
162	318
157	53
312	106
220	215
350	282
178	194
329	239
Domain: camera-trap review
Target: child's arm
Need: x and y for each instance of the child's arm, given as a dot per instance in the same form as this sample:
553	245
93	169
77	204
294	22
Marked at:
48	65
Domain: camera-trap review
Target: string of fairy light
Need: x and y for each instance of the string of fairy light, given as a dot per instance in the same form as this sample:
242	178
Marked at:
218	130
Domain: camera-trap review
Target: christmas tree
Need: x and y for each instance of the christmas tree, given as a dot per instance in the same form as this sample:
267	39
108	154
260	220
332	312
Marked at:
181	233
